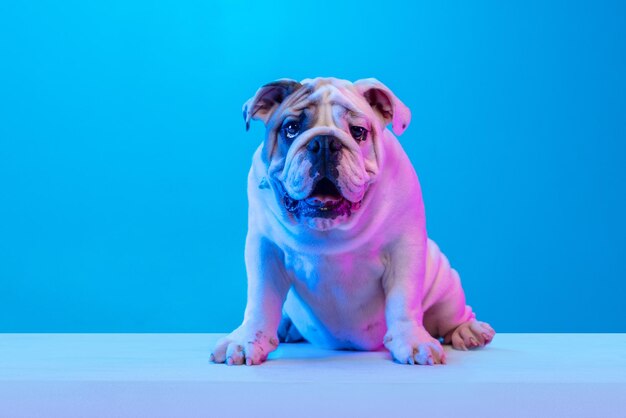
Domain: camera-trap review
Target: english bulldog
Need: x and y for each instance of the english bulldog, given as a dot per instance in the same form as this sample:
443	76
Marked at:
337	251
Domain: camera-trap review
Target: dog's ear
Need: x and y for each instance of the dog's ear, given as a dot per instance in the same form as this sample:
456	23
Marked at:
267	98
385	103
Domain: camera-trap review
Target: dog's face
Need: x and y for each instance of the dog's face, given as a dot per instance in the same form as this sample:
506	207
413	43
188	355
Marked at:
323	146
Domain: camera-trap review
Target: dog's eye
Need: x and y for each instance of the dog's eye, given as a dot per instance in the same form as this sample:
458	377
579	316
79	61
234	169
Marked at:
358	132
292	129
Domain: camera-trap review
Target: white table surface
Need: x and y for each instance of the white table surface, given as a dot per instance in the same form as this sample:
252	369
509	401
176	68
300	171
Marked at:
169	375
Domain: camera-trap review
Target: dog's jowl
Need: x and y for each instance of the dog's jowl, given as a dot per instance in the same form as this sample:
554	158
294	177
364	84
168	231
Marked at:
337	251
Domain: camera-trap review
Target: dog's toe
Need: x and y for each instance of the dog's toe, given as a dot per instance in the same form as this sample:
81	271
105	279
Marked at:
219	352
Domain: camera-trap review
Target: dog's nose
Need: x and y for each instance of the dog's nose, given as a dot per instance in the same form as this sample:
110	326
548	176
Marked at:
321	143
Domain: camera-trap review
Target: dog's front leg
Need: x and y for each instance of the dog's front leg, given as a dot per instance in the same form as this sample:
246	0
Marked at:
268	284
406	339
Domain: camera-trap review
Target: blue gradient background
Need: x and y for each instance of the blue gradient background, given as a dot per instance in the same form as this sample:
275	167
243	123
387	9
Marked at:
123	155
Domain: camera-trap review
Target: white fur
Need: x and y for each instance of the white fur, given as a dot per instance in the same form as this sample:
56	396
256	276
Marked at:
360	281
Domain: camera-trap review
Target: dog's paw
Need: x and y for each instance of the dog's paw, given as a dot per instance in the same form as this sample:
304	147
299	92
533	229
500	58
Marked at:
414	345
244	346
471	334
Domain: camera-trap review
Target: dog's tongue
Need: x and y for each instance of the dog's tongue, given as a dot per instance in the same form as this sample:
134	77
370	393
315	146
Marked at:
321	200
324	194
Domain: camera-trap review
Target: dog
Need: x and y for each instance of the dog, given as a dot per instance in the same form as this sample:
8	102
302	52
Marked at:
337	251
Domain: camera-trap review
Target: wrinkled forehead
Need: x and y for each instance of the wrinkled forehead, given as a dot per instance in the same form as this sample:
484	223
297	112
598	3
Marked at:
328	96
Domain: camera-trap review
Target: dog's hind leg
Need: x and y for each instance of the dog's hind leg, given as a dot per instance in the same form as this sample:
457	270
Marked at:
446	314
287	331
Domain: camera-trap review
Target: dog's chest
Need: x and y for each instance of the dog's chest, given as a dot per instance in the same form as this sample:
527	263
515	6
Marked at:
336	273
340	299
338	284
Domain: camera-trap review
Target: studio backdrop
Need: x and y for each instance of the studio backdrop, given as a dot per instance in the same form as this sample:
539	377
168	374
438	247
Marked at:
124	156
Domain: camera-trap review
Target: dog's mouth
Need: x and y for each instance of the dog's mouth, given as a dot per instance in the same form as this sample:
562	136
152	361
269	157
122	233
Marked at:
324	201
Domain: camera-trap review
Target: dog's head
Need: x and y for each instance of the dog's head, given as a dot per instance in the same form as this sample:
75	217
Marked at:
323	146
